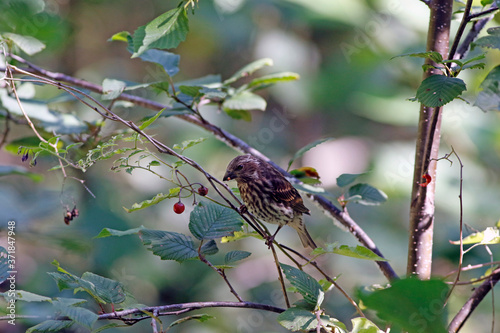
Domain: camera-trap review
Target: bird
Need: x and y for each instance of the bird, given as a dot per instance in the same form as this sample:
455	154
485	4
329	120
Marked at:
268	195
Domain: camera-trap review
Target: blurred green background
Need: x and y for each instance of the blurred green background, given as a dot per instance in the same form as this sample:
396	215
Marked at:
350	89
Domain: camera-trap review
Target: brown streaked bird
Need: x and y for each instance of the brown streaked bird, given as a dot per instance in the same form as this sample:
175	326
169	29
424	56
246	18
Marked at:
268	195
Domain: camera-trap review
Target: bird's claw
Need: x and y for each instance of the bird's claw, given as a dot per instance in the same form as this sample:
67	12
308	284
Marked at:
243	209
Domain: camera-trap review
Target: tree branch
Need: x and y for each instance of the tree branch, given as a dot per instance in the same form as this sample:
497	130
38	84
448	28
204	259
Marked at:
477	296
229	139
166	310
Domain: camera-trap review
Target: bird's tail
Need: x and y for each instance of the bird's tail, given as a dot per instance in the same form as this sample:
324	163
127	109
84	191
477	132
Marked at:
305	238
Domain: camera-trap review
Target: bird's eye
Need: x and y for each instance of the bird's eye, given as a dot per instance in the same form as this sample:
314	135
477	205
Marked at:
239	167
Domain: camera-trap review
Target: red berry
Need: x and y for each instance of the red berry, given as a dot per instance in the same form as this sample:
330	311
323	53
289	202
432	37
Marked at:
203	191
179	207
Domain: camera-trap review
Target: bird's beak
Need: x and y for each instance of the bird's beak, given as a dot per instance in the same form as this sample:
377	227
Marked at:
228	176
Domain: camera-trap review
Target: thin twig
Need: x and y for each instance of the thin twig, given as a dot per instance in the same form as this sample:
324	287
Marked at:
461	29
332	281
331	210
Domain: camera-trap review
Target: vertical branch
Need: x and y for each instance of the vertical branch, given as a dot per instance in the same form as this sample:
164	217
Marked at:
428	138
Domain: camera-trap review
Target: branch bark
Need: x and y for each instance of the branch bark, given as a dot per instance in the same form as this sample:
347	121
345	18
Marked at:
428	138
477	296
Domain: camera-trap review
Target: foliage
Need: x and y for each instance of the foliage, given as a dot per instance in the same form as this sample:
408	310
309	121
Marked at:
62	137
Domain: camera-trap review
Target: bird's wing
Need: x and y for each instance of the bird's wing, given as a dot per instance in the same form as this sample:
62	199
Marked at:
285	192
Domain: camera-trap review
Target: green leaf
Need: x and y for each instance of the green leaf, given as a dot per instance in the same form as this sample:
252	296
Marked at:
110	291
308	287
209	248
26	296
347	178
172	193
4	264
269	80
412	304
202	317
51	326
188	143
358	251
122	36
164	32
490	235
433	55
364	325
112	89
151	120
80	315
365	194
438	90
9	170
249	70
298	319
192	91
489	98
244	100
28	44
234	256
210	221
306	148
107	232
239	114
169	245
169	61
310	189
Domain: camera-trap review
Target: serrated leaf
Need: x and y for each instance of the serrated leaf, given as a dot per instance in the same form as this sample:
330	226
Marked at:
167	60
249	70
408	302
189	143
308	287
271	79
244	100
151	120
29	45
490	235
489	98
209	248
110	291
9	170
51	326
80	315
234	256
299	319
168	245
306	148
202	317
112	89
164	32
210	221
239	114
358	251
347	178
438	90
365	194
107	232
192	91
26	296
173	192
433	55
